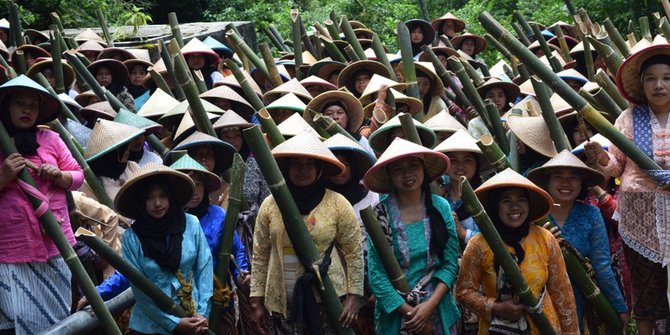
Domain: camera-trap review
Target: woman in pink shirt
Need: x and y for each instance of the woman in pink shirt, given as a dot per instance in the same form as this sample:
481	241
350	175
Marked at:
34	279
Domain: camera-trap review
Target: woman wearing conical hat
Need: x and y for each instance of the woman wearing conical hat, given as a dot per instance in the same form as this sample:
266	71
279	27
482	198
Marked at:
201	57
35	278
448	25
113	75
430	89
138	70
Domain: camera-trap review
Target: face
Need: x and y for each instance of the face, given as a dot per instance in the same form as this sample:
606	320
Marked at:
416	35
346	175
232	136
449	29
280	114
338	114
51	78
443	61
497	96
104	76
302	171
24	109
578	136
3	35
199	193
513	207
195	61
564	185
315	90
157	202
424	86
361	82
137	144
30	59
406	174
468	46
656	84
462	164
137	74
204	154
90	55
402	108
332	78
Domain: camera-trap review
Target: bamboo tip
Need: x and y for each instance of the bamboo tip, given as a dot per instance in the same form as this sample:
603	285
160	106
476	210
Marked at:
379	116
486	139
263	113
83	231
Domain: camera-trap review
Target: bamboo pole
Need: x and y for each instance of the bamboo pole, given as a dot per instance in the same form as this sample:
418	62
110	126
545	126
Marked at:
563	44
160	81
612	59
174	28
503	256
297	42
270	127
497	130
86	75
332	50
351	38
274	40
446	41
589	98
556	132
408	127
645	31
409	71
249	92
664	27
318	127
305	38
616	37
11	74
277	35
351	53
51	226
380	53
513	157
330	126
273	73
446	77
134	276
469	89
493	42
383	249
103	25
475	77
56	61
15	29
226	237
555	64
523	72
333	29
199	81
607	103
157	145
588	56
520	34
295	227
492	152
238	44
606	84
40	79
631	32
169	67
320	28
666	7
523	23
20	60
197	110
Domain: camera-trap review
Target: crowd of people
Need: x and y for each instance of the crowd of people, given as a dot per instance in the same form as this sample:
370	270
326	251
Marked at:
168	210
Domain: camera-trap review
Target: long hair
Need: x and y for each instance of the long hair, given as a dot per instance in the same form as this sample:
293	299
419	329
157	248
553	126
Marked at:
438	226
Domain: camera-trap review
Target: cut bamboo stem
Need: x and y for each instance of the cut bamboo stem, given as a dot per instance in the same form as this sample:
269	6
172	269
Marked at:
446	77
351	53
274	31
408	127
169	67
616	37
103	25
606	84
160	81
297	41
469	89
273	73
380	53
270	128
607	103
249	92
520	34
333	50
42	80
15	30
555	64
563	44
497	128
239	44
333	30
351	38
612	59
20	60
174	28
409	71
556	132
492	152
197	110
330	126
645	31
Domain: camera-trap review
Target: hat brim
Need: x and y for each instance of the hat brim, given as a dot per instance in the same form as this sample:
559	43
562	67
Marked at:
381	139
539	203
377	179
354	110
480	43
540	175
118	70
428	31
223	153
628	76
346	75
50	108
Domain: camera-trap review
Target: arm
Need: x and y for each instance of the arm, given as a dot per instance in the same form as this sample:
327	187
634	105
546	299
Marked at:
261	250
470	279
447	269
617	159
72	176
559	288
348	237
203	276
113	286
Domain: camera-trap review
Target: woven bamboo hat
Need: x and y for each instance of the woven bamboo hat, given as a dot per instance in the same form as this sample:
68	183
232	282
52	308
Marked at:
511	89
127	117
221	49
377	179
436	85
533	47
49	106
532	130
189	166
195	46
119	54
528	106
157	105
223	152
237	102
439	50
352	107
89	35
294	125
107	136
565	160
68	72
346	77
602	140
187	126
444	122
460	141
428	31
375	84
36	36
288	101
291	86
380	139
175	115
127	200
80	132
415	105
34	50
339	143
437	24
628	76
231	82
84	98
130	63
98	110
480	43
324	68
540	201
314	80
71	103
231	119
118	70
91	46
572	74
305	145
160	68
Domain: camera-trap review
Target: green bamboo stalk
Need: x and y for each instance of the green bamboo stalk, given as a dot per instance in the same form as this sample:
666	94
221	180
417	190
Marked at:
134	276
380	53
606	84
273	39
589	98
169	66
42	80
51	227
15	29
226	238
520	34
56	61
10	70
424	10
57	21
249	92
295	227
305	38
555	64
273	73
645	32
446	41
277	35
498	130
570	96
502	256
492	152
494	43
318	127
408	127
333	18
333	30
588	56
321	29
199	81
114	101
513	157
631	31
446	77
469	88
351	38
523	71
664	27
269	127
612	59
616	37
383	248
563	44
333	50
297	42
83	59
351	53
160	81
238	44
156	144
666	7
528	30
197	110
20	60
174	27
330	126
409	72
318	47
570	7
103	25
556	132
607	103
475	77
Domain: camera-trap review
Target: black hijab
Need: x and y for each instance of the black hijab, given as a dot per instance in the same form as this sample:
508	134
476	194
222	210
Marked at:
511	236
160	238
306	197
109	165
352	189
25	140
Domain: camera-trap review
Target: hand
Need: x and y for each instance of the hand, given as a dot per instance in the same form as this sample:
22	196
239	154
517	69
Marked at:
192	325
508	310
11	167
258	315
460	230
83	302
49	171
554	231
471	112
244	280
350	309
419	316
594	152
624	318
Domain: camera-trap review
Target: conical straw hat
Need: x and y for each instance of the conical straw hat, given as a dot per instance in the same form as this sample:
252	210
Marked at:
565	160
439	50
230	81
415	105
89	35
444	122
227	93
127	117
118	70
127	199
68	72
353	108
195	46
187	126
572	74
71	103
324	68
340	143
532	130
49	106
231	119
157	104
90	46
294	125
461	140
428	31
305	145
559	105
114	52
98	110
375	84
218	47
288	101
291	86
4	24
346	79
84	98
188	165
480	43
223	152
314	80
80	132
540	201
107	136
175	114
377	179
459	25
536	45
528	107
436	85
628	76
511	89
381	138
